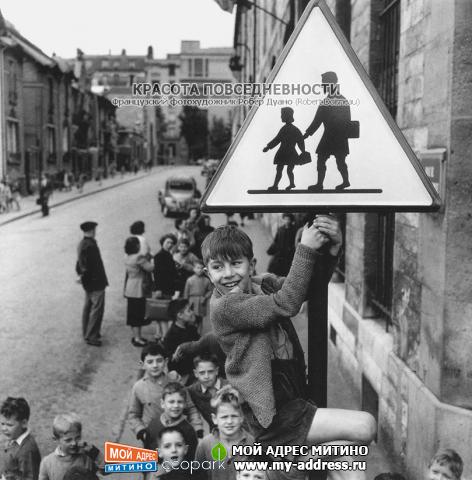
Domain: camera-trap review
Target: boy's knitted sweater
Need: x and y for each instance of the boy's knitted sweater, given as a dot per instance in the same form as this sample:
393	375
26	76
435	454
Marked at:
242	323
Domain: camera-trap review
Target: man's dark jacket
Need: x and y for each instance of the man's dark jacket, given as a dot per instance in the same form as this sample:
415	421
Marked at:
90	266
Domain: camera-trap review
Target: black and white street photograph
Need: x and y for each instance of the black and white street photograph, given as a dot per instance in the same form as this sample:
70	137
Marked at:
235	240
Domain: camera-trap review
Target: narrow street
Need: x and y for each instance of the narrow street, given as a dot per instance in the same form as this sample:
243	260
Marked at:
44	357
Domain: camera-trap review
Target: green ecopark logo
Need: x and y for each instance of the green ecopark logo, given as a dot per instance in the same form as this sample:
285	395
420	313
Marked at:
218	453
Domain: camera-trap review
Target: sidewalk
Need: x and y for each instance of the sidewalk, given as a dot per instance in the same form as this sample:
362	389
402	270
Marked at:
29	207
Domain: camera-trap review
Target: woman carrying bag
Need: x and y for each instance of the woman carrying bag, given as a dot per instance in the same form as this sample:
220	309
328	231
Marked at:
137	287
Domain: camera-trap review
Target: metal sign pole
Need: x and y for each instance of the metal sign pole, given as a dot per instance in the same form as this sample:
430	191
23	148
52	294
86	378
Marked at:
318	347
318	341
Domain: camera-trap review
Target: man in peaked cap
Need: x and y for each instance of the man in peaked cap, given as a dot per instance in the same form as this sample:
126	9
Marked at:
94	280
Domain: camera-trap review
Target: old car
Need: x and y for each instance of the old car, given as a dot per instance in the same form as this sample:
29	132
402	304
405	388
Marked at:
179	195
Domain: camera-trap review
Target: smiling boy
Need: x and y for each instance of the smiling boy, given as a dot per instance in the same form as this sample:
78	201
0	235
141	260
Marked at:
228	418
173	403
265	361
145	398
70	450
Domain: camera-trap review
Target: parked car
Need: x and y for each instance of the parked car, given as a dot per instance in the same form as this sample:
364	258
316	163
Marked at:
179	195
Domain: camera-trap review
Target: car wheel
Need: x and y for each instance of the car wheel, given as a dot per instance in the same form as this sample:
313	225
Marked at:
165	211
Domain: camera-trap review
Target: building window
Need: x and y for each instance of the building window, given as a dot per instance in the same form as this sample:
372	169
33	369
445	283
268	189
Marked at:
105	64
51	143
171	70
66	100
132	65
13	141
385	74
50	118
382	286
198	67
12	82
190	71
388	75
207	67
65	139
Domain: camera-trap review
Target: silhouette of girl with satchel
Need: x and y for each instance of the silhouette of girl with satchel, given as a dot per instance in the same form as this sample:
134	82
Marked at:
289	136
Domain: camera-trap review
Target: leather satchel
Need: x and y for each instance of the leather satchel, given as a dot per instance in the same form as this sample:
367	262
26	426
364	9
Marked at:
157	309
353	129
304	158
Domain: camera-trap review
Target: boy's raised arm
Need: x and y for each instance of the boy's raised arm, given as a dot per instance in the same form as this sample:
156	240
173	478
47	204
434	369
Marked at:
243	311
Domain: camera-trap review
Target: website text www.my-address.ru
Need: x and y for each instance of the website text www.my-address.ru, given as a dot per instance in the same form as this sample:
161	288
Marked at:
286	466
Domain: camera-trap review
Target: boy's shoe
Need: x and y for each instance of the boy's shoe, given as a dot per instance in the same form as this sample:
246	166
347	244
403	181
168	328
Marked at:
139	342
94	343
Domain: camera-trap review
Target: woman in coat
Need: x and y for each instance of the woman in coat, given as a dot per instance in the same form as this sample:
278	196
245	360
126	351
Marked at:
137	288
165	277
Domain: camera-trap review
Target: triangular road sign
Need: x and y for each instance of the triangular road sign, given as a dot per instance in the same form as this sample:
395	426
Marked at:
367	163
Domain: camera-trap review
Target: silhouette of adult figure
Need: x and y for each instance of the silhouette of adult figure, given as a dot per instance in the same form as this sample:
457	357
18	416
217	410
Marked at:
289	136
335	115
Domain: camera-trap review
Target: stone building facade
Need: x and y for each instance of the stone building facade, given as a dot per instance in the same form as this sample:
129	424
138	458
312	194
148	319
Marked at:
400	320
50	121
197	65
159	127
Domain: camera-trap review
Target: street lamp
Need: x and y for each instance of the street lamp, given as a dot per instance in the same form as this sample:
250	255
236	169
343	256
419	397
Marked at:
248	4
235	64
228	5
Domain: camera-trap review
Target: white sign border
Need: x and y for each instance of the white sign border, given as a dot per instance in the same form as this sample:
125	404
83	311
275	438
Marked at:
435	199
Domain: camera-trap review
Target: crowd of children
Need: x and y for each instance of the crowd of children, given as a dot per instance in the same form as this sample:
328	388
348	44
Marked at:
182	394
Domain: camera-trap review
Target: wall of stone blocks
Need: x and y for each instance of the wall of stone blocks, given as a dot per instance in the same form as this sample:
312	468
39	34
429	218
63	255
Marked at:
457	362
429	374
